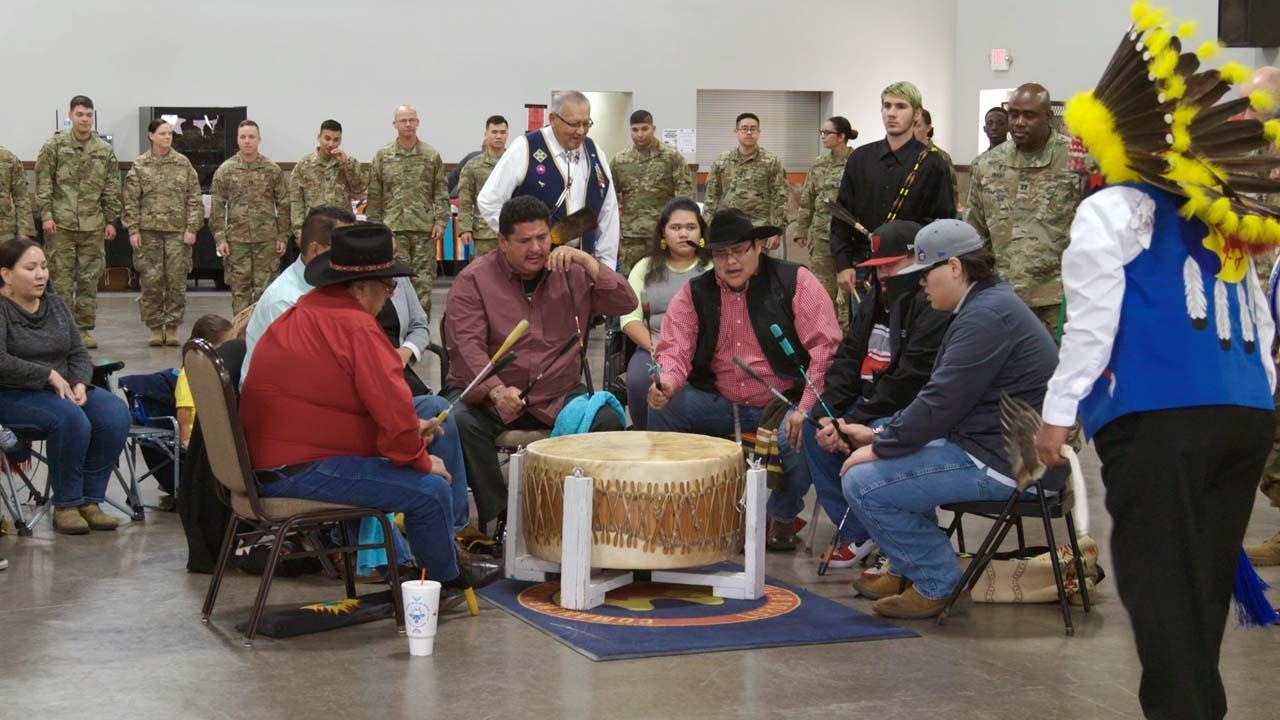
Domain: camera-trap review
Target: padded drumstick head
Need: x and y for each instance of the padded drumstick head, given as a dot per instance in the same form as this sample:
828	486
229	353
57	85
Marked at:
516	333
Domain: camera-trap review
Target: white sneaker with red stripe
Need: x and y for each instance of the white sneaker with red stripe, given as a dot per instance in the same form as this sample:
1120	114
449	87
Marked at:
848	554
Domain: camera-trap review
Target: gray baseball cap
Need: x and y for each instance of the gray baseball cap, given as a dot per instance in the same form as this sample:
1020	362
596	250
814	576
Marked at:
942	240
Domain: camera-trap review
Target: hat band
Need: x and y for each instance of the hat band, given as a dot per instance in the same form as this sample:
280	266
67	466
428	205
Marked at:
361	268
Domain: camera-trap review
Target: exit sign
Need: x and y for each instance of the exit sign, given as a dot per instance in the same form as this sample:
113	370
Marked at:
1000	59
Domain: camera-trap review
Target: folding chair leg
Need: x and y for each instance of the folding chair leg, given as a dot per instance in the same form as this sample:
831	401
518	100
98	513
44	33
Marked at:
317	544
1057	567
43	504
348	566
260	603
14	503
995	536
228	546
1079	560
393	570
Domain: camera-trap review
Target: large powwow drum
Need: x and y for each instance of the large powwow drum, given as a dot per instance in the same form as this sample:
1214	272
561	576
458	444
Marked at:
661	501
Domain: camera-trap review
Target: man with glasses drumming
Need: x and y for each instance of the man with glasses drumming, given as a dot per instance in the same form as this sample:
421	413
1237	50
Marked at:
750	179
562	167
727	315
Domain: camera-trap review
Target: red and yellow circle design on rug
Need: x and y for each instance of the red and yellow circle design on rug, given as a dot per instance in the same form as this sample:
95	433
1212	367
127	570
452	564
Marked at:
686	605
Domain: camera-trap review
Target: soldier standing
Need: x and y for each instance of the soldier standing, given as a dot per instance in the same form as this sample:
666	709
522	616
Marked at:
472	229
328	176
407	192
646	177
78	196
923	130
163	213
813	223
15	203
750	179
1022	199
249	218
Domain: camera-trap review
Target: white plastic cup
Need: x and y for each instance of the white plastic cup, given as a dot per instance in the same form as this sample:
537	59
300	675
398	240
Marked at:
421	611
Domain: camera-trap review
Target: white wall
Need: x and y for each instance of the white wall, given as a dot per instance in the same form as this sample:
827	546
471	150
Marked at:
296	62
1064	46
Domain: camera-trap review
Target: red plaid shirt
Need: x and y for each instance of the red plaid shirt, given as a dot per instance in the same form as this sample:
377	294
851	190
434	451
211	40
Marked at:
816	326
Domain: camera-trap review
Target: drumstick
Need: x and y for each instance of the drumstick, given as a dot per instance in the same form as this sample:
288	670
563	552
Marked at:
791	353
516	333
577	323
573	340
776	393
831	547
492	369
655	369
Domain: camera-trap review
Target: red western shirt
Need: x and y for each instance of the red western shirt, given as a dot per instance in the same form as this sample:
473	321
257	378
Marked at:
326	383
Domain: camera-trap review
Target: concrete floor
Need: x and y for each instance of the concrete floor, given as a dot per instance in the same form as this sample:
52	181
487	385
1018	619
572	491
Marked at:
107	625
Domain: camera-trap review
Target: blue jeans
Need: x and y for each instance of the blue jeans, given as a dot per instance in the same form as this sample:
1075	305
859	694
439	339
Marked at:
448	447
895	500
425	500
638	381
84	442
697	411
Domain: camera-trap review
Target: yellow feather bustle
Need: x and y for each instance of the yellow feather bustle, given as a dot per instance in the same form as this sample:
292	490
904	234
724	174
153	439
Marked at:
1263	101
1218	211
1138	11
1187	30
1158	40
1090	120
1271	230
1197	203
1174	88
1233	73
1208	49
1149	17
1164	63
1251	228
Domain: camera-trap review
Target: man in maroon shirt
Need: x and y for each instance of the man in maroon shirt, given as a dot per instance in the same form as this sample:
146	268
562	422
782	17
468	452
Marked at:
327	414
556	290
730	313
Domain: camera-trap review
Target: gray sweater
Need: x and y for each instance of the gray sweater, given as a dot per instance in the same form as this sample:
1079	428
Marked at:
33	344
994	345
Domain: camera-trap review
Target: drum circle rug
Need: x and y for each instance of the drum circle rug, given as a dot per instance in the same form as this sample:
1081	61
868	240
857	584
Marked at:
647	619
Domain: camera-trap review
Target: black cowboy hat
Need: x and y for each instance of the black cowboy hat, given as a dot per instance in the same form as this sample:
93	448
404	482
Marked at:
362	251
730	227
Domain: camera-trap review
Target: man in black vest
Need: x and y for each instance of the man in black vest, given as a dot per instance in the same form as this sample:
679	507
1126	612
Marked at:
729	313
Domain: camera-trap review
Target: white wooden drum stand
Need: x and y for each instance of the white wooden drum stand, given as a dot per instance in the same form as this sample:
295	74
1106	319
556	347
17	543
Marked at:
693	532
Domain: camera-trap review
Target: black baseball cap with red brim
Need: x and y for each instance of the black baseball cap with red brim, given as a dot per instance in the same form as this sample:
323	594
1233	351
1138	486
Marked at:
892	242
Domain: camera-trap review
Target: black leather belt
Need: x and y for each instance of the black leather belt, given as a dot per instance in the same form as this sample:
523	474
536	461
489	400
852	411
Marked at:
272	474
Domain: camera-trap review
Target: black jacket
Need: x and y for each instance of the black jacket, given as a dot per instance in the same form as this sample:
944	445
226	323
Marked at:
994	345
915	334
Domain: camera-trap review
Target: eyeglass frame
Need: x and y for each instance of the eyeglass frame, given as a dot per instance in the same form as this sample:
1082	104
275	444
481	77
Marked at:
722	254
583	126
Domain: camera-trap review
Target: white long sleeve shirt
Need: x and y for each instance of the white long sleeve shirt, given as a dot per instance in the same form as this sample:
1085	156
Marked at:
1111	228
509	173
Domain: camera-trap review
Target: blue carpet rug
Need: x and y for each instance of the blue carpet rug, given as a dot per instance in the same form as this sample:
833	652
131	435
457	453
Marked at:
650	619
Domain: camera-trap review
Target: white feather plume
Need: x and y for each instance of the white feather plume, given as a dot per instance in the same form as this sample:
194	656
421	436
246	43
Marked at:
1222	313
1193	286
1246	315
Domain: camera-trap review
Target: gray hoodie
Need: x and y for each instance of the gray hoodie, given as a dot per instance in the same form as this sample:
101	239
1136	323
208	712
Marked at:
33	344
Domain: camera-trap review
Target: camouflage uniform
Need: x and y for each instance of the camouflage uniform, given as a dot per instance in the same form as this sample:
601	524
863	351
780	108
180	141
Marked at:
161	202
646	181
407	192
814	222
250	213
951	167
1023	204
317	182
756	185
473	177
77	187
15	202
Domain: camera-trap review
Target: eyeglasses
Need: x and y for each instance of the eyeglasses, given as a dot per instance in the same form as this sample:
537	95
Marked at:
825	133
389	286
584	125
736	252
749	130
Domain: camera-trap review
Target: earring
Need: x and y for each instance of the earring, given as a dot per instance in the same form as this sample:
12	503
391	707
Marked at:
702	242
662	243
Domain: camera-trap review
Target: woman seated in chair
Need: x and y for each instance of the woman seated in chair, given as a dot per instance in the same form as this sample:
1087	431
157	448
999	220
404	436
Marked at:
215	330
946	446
677	254
44	388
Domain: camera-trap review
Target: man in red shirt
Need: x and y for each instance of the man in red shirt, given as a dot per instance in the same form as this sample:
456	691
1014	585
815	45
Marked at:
729	314
556	290
327	414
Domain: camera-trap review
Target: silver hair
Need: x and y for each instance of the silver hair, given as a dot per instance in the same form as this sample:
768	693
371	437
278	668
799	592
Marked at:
571	97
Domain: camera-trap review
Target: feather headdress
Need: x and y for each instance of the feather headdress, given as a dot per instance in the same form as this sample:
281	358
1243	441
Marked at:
1156	116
